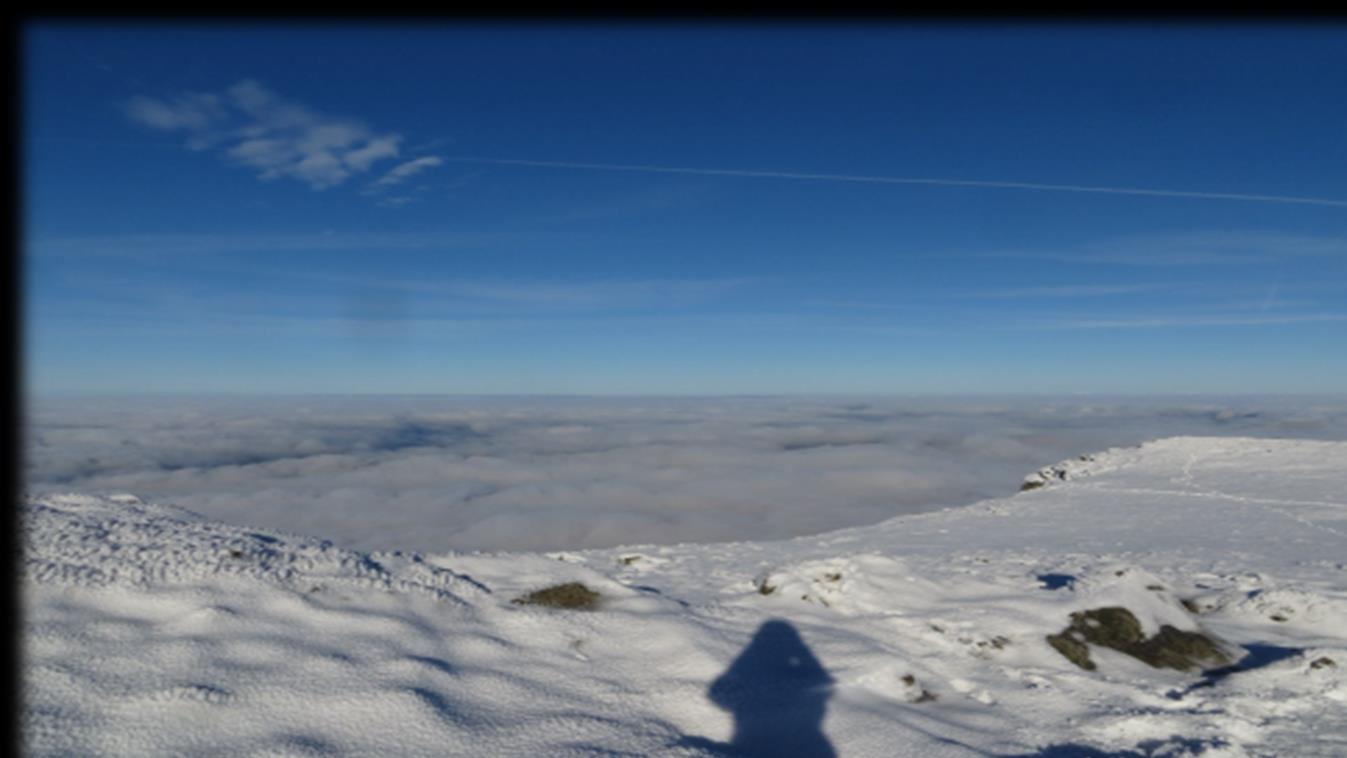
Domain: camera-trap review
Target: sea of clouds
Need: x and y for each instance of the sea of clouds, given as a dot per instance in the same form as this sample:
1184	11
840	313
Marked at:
490	473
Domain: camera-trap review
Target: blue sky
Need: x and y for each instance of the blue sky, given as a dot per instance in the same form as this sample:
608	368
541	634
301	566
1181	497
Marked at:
328	208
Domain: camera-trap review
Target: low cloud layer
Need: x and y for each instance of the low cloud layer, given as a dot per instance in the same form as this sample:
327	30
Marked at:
437	474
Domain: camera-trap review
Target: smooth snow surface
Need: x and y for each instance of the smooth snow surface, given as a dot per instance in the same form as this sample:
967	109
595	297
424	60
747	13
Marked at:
150	631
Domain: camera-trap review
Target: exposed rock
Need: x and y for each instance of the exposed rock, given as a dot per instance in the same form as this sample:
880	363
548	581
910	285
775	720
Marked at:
1059	472
1073	649
1118	629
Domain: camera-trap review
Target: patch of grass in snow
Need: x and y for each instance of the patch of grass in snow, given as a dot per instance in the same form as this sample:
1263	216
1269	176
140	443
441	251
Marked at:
1118	629
573	595
925	695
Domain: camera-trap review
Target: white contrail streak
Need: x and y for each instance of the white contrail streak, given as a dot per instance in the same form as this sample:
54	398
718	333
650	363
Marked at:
915	180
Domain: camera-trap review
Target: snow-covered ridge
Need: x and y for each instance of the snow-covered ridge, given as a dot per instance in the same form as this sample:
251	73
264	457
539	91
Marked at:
1073	468
92	541
1090	464
149	631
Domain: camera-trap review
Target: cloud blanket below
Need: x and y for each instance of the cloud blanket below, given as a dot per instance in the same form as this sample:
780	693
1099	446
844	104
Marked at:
458	473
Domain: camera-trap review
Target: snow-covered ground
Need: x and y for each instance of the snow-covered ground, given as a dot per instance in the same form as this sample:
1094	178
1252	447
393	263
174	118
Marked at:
151	631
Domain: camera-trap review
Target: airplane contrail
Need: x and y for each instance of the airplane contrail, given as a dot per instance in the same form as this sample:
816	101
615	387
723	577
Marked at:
913	180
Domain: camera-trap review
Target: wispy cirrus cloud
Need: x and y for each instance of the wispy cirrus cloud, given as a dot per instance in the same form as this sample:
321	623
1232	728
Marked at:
193	111
278	138
1070	291
158	246
402	172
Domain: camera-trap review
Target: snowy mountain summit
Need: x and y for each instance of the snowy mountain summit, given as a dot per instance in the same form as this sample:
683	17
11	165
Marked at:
1184	597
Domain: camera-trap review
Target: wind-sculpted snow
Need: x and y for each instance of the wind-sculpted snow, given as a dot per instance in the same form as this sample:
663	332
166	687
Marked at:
445	473
149	631
91	541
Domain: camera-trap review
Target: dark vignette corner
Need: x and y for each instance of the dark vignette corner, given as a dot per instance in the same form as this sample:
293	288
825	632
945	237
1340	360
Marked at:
13	276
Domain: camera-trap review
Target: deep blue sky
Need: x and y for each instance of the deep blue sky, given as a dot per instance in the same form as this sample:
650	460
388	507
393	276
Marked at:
283	208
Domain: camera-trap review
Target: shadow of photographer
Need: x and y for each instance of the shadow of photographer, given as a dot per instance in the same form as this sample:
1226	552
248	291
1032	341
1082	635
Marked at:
777	692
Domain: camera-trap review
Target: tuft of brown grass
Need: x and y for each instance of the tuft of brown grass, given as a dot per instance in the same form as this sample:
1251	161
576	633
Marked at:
572	595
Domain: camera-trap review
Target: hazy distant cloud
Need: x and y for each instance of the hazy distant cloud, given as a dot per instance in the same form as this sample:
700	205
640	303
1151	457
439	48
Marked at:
404	171
1220	248
276	137
1071	290
1188	320
586	295
316	301
633	202
440	473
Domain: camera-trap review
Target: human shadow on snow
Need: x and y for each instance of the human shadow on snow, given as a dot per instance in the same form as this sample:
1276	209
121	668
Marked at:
777	692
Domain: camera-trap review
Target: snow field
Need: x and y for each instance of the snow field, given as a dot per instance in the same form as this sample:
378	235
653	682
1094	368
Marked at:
149	631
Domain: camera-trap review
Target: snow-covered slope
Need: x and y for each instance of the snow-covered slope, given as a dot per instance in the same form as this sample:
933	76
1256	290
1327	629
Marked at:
149	631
